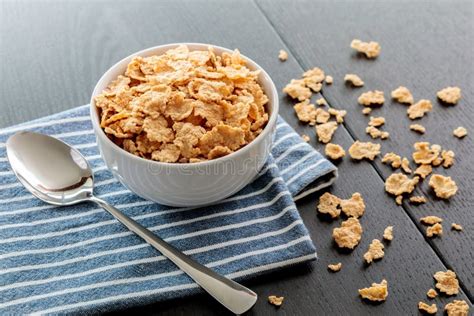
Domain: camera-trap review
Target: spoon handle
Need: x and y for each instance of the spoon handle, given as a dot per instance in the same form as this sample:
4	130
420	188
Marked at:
237	298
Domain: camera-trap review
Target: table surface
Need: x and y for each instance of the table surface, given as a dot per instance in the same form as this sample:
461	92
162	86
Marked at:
52	54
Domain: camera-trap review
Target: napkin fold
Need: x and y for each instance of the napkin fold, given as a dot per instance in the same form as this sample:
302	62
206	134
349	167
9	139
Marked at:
79	259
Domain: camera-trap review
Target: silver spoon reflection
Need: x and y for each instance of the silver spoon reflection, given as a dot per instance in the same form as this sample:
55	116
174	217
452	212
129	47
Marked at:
58	174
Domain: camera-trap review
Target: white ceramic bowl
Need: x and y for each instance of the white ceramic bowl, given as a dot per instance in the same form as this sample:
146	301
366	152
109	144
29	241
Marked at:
189	184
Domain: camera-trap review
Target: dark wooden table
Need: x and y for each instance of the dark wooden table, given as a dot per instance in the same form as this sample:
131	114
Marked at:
53	52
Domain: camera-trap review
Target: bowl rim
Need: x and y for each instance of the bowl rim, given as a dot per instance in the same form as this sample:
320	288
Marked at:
99	132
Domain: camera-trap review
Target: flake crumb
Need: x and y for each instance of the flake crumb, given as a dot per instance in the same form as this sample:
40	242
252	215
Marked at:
338	114
305	137
325	131
334	151
371	98
398	184
349	234
423	171
431	293
376	121
444	187
418	128
360	150
447	282
431	220
399	199
375	251
321	101
457	227
374	132
336	267
388	233
377	292
457	308
429	309
354	80
449	95
297	90
328	204
283	55
329	80
370	49
353	207
448	158
366	111
275	300
419	109
435	230
418	199
406	165
393	159
460	132
424	154
402	95
305	112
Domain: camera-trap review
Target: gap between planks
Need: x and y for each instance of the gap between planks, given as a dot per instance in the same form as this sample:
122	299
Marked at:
372	163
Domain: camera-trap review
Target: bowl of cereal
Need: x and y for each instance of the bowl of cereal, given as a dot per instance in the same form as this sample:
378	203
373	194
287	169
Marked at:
185	124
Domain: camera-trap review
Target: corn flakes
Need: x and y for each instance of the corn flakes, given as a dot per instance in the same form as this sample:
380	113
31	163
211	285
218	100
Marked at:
338	114
325	131
460	132
398	183
334	151
419	109
399	199
282	55
423	171
457	308
313	78
374	132
322	116
431	293
335	267
360	150
444	187
375	251
371	98
366	111
450	95
305	137
418	128
448	158
321	101
402	95
429	309
353	207
424	154
376	121
306	112
297	90
457	227
329	80
393	159
431	220
275	300
349	234
447	282
406	165
388	233
354	80
435	230
377	292
418	199
328	204
370	49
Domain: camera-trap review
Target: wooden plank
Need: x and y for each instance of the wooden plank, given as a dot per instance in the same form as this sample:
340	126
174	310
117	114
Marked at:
84	40
426	46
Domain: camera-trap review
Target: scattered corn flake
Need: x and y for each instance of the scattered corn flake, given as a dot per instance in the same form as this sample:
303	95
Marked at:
419	109
448	158
338	114
429	309
360	150
275	300
418	128
460	132
354	80
353	207
450	95
447	282
375	251
431	220
457	227
399	183
297	90
418	199
393	159
349	234
329	80
402	95
388	233
322	116
305	137
336	267
366	111
377	292
370	49
431	293
406	165
374	132
306	112
325	131
313	78
283	55
321	101
376	121
457	308
423	170
399	199
435	230
371	98
334	151
424	154
444	187
328	204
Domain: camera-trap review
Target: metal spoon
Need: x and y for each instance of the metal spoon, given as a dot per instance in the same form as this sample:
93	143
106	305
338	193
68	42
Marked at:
58	174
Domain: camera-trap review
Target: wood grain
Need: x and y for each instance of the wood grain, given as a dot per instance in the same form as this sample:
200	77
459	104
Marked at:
64	48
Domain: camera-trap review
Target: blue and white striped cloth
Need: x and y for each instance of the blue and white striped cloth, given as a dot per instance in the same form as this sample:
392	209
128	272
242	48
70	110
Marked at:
79	259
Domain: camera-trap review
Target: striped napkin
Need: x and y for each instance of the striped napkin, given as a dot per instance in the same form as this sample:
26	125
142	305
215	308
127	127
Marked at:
79	259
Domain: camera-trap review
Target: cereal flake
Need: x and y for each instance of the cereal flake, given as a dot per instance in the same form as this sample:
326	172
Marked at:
457	308
419	109
354	80
431	220
328	204
417	199
448	158
336	267
406	165
418	128
460	132
402	95
449	95
360	150
447	282
325	131
388	233
377	292
353	207
375	251
435	230
393	159
371	98
457	227
366	111
276	300
429	309
370	49
306	112
334	151
431	293
329	79
398	183
283	55
349	234
423	171
338	114
444	187
424	154
297	90
376	121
